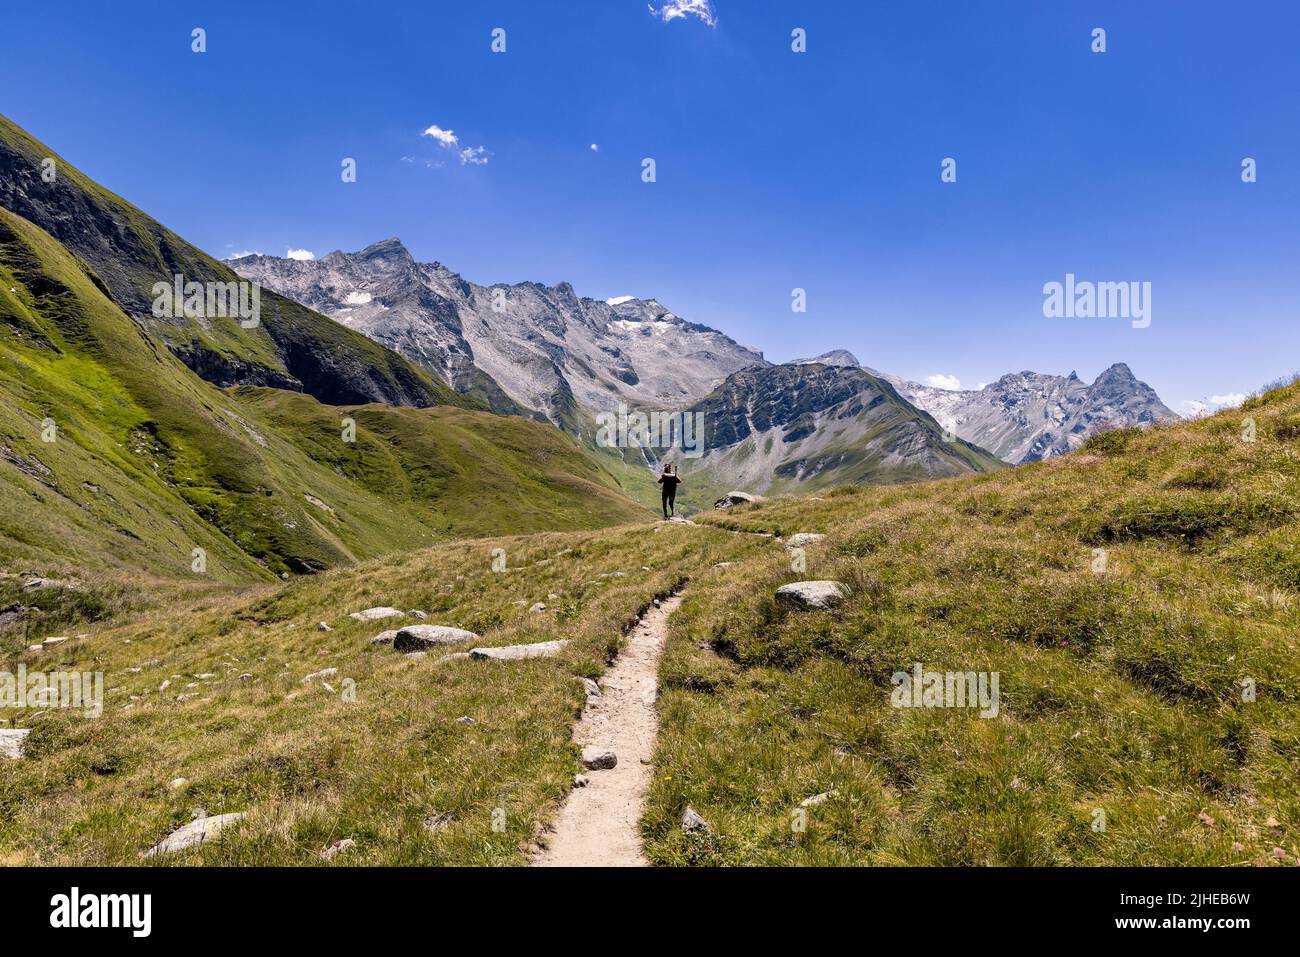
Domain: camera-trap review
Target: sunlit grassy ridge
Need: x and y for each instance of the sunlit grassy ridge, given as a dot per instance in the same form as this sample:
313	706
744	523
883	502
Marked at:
148	462
1121	689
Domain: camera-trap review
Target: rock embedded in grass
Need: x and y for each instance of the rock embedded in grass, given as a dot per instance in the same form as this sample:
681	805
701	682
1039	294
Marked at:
384	638
195	833
538	606
317	675
12	741
375	614
736	498
541	649
598	759
801	539
813	595
333	850
423	637
691	821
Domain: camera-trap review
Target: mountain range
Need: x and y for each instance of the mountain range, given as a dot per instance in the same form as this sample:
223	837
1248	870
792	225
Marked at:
1028	416
545	351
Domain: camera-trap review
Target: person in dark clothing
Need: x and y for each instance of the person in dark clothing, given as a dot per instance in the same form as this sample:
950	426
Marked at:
669	479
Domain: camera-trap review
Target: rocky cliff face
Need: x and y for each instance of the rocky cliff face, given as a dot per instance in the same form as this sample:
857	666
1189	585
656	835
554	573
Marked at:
774	427
1027	416
525	347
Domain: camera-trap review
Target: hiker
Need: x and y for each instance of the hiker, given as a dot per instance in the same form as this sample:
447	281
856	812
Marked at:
669	479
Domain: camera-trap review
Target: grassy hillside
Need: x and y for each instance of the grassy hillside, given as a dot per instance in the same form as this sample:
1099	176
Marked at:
292	347
311	767
1128	596
1123	734
148	462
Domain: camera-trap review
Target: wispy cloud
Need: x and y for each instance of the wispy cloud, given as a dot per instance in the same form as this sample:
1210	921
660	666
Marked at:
1213	403
448	140
680	9
246	252
942	381
301	254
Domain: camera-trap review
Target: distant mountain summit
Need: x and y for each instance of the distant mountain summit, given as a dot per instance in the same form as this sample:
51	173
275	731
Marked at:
814	424
520	347
1027	416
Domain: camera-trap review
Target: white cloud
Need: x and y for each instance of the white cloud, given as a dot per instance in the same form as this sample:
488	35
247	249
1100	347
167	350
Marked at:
447	138
941	381
1229	399
246	252
1214	403
595	147
301	254
680	9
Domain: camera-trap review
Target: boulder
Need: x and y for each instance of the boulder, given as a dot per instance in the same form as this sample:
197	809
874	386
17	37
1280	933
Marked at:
375	614
736	498
317	675
691	821
542	649
802	539
423	637
12	741
538	606
384	638
194	833
811	595
598	759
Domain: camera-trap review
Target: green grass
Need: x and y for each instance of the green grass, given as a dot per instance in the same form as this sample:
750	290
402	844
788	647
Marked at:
150	462
1119	691
311	767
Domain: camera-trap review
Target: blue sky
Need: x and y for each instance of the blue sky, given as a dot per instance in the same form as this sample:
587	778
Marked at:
775	170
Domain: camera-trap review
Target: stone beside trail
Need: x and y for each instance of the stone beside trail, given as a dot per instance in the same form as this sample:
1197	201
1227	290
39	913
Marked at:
424	637
812	595
736	498
541	649
802	539
195	833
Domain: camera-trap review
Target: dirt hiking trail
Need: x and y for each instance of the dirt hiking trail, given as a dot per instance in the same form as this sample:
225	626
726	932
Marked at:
599	825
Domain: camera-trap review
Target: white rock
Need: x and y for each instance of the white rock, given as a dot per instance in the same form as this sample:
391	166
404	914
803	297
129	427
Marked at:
817	799
317	675
581	780
416	613
803	538
384	638
691	821
333	850
176	784
598	759
537	606
590	687
811	595
195	833
324	626
12	741
423	637
375	614
541	649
